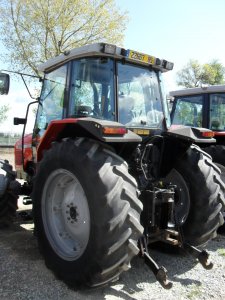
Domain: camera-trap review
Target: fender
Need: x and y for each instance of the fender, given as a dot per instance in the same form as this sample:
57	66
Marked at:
102	130
191	134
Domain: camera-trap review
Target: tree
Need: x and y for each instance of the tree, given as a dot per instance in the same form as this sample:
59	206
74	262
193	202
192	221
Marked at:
3	113
34	31
213	73
194	74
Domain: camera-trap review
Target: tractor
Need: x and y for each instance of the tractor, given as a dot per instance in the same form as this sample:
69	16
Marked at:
105	176
203	107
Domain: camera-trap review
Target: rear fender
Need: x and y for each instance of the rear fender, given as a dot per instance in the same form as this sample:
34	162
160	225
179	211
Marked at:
175	146
161	154
85	127
191	134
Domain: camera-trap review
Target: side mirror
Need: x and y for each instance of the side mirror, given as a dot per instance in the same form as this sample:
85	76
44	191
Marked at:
4	83
18	121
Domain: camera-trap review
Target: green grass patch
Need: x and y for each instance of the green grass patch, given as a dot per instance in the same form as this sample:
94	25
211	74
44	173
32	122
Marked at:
221	251
194	292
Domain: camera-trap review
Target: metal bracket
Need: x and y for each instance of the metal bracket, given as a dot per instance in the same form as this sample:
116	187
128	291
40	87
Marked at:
159	272
202	256
26	215
27	200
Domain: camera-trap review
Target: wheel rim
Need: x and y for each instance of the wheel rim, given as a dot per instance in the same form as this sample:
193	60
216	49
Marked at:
182	197
65	214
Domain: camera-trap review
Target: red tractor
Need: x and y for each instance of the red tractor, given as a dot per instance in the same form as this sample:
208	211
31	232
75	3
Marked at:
203	107
105	176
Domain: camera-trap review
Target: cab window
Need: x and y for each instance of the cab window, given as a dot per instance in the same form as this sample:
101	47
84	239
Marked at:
92	89
139	100
189	111
52	98
217	112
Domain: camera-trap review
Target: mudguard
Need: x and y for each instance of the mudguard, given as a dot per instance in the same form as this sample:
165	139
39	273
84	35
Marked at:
86	127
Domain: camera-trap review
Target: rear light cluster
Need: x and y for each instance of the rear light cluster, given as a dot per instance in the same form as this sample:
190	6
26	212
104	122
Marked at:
208	134
114	130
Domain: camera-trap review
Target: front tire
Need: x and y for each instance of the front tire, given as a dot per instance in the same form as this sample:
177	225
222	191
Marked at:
86	212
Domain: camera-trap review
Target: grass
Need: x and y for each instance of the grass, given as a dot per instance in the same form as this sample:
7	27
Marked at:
221	251
195	291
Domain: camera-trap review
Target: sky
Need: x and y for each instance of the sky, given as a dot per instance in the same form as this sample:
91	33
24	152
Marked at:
176	30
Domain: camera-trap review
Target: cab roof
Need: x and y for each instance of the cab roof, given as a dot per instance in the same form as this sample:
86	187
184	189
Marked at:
198	90
108	50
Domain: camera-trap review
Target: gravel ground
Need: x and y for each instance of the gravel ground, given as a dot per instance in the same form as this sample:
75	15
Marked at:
25	276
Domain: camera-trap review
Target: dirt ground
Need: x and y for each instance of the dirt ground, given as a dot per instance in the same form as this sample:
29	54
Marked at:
24	275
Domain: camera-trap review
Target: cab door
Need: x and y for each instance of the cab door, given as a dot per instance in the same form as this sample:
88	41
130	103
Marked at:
52	105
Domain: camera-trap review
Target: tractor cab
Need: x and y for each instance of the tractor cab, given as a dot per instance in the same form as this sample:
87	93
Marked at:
104	82
200	107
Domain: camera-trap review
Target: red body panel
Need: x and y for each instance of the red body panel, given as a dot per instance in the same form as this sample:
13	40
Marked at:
50	135
27	152
219	133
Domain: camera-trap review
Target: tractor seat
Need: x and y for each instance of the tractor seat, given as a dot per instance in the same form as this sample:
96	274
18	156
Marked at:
83	110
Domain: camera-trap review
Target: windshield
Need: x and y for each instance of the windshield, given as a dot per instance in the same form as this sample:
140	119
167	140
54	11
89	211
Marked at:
139	101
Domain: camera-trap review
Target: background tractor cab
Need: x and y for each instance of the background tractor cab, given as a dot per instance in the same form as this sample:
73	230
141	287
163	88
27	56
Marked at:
203	107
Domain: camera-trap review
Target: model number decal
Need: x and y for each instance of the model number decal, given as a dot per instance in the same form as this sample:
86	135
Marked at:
141	57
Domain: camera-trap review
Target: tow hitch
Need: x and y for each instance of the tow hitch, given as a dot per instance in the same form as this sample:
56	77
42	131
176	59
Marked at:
161	225
202	256
159	272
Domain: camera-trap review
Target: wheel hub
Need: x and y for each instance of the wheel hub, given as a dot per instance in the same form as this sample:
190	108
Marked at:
73	213
66	214
182	197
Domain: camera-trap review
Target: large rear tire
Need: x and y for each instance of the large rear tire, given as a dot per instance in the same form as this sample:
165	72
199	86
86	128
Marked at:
8	205
199	196
86	212
217	153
